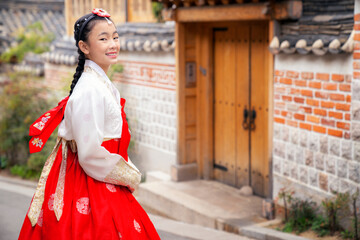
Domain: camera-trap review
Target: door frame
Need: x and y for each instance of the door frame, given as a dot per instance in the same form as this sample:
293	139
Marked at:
205	98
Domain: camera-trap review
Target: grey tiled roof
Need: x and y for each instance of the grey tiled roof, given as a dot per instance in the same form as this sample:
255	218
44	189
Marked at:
15	14
325	26
147	37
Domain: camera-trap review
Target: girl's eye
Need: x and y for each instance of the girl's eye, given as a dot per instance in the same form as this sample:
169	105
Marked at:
116	38
103	39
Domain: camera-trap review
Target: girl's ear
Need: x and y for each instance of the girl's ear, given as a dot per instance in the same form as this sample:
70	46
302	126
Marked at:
83	47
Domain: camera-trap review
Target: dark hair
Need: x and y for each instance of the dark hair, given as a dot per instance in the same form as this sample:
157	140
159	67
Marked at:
82	33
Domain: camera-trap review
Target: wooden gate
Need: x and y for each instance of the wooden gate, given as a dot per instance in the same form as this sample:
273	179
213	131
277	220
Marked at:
241	105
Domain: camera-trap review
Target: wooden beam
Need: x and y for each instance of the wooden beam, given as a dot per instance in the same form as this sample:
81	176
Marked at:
223	13
180	92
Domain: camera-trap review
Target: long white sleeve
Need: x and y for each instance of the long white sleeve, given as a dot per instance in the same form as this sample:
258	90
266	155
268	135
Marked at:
92	114
87	123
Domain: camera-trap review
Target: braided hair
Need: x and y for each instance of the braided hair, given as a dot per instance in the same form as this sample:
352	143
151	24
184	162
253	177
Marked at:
81	33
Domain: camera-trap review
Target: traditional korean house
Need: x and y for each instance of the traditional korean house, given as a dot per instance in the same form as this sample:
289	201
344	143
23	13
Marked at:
268	94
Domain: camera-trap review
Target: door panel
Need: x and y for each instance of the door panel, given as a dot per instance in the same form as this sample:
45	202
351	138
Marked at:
242	103
240	53
224	105
259	102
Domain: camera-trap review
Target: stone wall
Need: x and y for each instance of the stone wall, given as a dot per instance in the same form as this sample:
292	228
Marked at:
149	87
315	149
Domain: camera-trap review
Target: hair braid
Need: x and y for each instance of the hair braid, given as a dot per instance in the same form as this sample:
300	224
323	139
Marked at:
79	70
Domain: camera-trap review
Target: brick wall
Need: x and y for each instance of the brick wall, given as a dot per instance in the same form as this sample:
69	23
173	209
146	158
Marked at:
315	102
317	123
59	77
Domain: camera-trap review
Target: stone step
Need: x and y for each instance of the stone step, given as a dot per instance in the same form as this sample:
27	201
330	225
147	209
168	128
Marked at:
206	203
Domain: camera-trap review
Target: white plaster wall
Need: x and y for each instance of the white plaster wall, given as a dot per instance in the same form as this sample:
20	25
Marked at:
151	112
339	63
153	57
357	6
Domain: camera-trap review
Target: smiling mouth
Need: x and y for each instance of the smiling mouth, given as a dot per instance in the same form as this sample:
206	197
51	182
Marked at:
111	54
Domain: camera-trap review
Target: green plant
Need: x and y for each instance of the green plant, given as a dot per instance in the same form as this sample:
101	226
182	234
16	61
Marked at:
29	39
116	68
354	199
301	215
320	225
156	9
3	162
20	106
286	195
24	172
346	234
332	206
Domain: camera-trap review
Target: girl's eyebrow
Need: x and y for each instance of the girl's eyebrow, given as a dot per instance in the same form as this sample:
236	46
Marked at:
103	33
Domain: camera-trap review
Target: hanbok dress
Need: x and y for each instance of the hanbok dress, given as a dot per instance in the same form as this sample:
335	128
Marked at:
85	189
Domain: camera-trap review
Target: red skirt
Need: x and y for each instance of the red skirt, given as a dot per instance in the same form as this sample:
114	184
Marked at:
92	209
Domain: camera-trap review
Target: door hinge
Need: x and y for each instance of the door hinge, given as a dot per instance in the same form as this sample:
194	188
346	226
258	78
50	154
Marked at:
220	167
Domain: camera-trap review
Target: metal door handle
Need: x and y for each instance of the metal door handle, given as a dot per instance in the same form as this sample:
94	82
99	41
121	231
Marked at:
245	123
252	120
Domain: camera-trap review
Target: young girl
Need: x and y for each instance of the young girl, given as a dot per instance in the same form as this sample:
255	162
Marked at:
85	189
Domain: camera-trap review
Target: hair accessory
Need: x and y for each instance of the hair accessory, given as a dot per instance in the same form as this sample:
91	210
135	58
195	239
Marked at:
102	13
95	12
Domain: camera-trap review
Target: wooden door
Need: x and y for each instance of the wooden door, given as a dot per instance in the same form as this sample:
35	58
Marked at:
239	86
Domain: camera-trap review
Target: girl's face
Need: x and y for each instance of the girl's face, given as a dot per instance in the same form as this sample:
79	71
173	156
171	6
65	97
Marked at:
103	45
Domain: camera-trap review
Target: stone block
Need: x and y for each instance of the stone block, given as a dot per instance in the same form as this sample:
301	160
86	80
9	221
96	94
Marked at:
313	177
334	183
285	134
303	172
279	149
300	156
330	163
286	168
246	191
354	171
355	131
324	144
319	161
294	170
344	186
184	172
323	181
277	165
346	149
334	147
355	106
357	151
314	142
294	135
290	152
342	168
309	158
303	138
268	209
356	90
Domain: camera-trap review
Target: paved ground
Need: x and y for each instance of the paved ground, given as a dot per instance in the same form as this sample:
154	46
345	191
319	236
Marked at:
15	197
